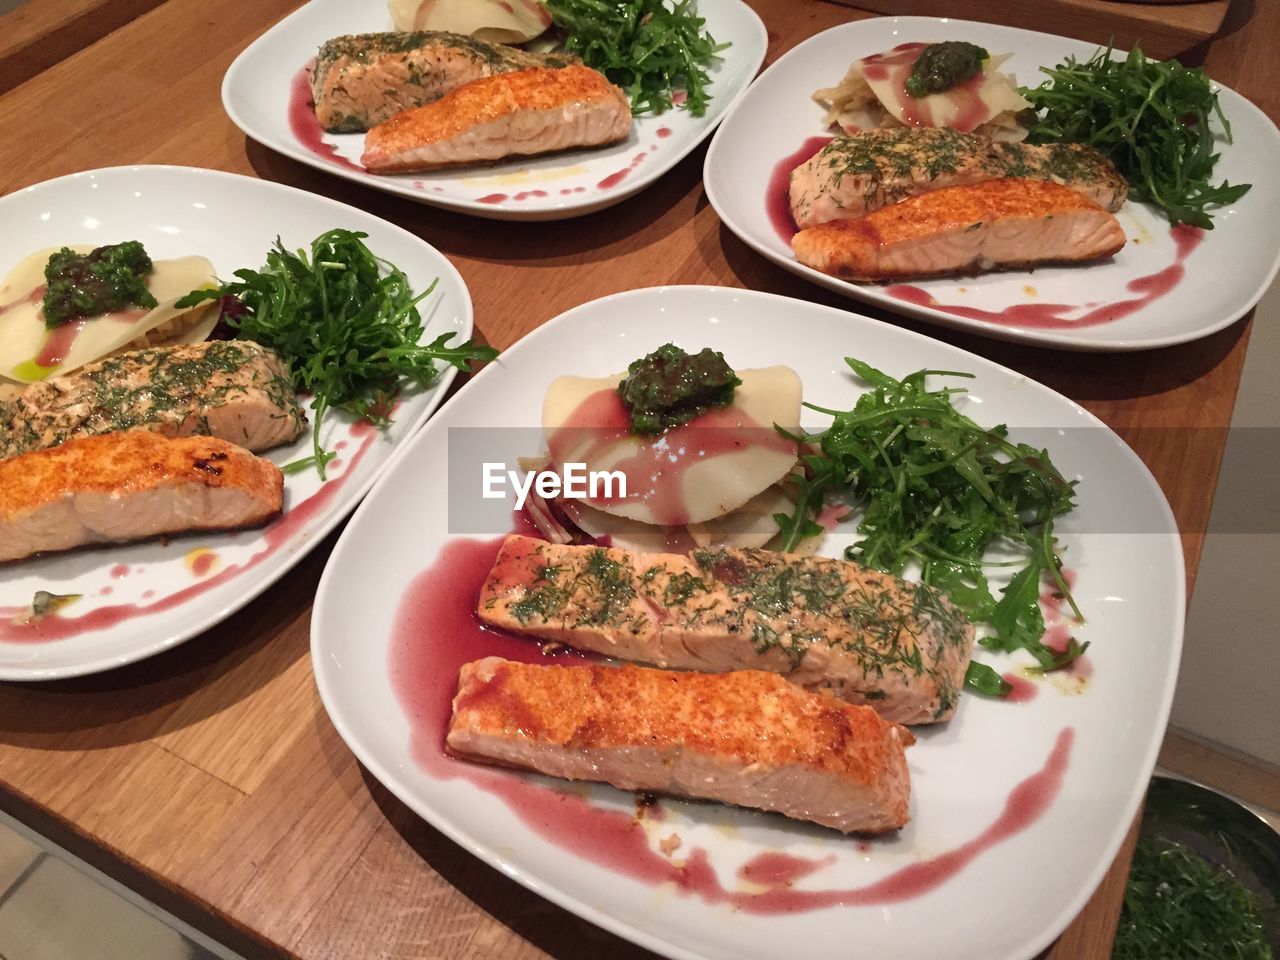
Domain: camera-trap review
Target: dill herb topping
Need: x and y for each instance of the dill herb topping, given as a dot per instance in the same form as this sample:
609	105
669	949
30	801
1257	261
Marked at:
1177	904
938	490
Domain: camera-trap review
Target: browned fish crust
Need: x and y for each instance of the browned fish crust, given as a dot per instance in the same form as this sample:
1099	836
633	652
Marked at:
864	636
993	225
130	486
521	113
747	738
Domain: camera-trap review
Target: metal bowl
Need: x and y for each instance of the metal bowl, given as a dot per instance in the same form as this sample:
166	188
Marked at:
1227	834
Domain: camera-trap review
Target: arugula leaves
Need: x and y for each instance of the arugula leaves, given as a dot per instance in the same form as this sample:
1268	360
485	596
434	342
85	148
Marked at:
937	489
1150	117
644	46
346	324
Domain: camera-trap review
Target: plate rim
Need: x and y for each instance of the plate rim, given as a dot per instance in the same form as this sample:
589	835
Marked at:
326	685
250	589
473	207
1078	344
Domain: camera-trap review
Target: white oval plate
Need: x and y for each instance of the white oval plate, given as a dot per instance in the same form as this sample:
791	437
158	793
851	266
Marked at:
1008	902
259	87
140	599
1224	276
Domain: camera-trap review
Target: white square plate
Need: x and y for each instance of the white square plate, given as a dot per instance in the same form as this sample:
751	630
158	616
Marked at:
1156	294
139	599
976	874
266	95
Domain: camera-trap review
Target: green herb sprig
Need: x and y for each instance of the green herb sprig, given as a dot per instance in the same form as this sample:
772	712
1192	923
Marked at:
1152	118
1177	904
938	490
346	324
647	48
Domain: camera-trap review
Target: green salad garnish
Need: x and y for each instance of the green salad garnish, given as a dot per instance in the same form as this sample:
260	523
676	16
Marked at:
646	47
346	324
936	489
1152	118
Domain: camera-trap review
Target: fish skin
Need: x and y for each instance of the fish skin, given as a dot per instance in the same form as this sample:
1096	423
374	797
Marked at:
996	224
522	113
120	487
747	738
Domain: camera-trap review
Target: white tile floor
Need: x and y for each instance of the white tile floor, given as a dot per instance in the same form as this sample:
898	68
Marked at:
54	907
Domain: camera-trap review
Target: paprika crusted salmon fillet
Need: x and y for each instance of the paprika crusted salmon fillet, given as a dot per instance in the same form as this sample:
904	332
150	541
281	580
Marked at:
235	390
854	175
513	114
359	81
130	486
864	636
993	225
748	738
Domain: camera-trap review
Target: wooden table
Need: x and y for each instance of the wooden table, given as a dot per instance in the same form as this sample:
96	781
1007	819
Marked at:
209	778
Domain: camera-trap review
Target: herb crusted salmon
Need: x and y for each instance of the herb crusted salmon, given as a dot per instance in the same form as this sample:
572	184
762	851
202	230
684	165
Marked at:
235	389
521	113
747	738
996	224
864	636
130	486
854	175
359	81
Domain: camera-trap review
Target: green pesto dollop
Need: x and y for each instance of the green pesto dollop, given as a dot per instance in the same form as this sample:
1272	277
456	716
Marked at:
87	284
670	387
942	66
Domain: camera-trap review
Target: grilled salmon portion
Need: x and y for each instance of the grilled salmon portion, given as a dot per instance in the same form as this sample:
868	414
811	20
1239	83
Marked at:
748	738
831	625
854	175
130	486
513	114
996	224
236	390
359	81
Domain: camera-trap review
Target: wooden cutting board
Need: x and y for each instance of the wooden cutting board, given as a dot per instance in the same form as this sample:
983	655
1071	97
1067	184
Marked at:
1163	30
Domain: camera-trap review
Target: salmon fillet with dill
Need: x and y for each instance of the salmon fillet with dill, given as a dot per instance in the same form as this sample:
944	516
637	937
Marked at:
864	636
362	80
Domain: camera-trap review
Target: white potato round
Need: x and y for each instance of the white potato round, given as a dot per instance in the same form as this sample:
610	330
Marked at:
23	333
496	21
709	485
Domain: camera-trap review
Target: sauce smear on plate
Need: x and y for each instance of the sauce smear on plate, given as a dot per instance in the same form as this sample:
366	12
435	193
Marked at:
436	632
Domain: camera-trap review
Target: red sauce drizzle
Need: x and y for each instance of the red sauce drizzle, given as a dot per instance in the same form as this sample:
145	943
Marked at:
1023	689
774	869
203	563
654	473
118	571
436	632
35	296
59	342
526	194
306	128
1054	315
274	536
493	198
615	178
777	200
1060	621
664	132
